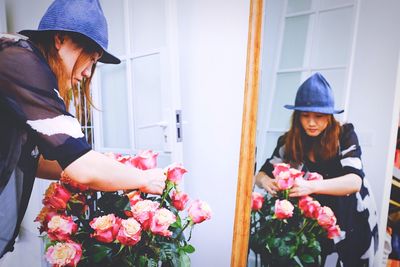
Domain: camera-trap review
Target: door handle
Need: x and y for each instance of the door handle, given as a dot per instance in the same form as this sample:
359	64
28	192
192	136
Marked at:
162	124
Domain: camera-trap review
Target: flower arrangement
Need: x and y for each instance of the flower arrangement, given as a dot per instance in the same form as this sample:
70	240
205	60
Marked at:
83	227
286	231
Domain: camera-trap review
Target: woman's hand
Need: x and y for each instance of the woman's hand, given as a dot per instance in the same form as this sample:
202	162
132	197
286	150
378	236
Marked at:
302	187
154	181
266	182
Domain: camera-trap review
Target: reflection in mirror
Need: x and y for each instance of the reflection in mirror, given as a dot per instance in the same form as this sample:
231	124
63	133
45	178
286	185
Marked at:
342	40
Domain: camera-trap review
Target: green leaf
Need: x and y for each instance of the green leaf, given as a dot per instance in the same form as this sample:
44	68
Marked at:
307	258
100	252
284	251
298	261
188	249
142	261
184	260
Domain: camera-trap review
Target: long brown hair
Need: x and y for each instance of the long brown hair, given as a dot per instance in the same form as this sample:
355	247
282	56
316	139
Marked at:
81	95
298	144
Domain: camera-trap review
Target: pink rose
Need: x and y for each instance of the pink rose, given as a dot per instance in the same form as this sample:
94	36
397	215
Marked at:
134	197
179	200
175	172
44	217
72	185
124	159
105	228
64	254
285	175
294	173
129	232
281	169
61	227
145	160
333	231
161	221
309	206
314	176
326	217
283	209
284	183
257	201
199	211
143	212
56	196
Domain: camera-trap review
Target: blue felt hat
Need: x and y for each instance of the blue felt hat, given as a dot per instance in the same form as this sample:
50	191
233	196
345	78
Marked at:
315	95
81	16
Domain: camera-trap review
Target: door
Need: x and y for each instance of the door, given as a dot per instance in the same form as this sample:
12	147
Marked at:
139	99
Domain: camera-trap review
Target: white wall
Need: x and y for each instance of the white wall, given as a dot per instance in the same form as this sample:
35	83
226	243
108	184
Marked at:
372	95
3	22
213	42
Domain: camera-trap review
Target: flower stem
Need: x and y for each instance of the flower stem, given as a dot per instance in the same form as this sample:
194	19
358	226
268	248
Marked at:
170	185
305	223
286	193
189	222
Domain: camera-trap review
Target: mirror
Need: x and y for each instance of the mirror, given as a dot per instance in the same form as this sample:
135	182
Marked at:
343	40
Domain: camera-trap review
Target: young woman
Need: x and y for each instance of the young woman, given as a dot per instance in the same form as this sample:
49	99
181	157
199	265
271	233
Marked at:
38	137
316	142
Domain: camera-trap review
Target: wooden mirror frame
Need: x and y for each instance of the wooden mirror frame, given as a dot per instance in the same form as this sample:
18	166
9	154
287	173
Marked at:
248	137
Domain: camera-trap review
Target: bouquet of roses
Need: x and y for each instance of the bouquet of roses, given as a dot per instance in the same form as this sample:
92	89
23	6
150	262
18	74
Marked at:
285	231
83	227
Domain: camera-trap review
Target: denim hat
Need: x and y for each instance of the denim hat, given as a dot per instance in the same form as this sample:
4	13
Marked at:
315	95
81	16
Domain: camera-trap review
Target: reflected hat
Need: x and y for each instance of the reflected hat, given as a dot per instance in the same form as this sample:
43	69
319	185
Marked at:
315	95
81	16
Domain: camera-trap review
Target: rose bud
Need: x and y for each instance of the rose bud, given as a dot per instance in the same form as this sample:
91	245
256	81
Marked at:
174	172
283	209
64	254
257	201
105	228
129	232
179	200
161	221
61	227
56	196
199	211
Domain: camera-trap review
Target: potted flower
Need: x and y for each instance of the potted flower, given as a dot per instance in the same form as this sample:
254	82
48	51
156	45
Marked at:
82	227
287	231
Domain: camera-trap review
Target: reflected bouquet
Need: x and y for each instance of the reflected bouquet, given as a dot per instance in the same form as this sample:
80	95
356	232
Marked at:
82	227
286	231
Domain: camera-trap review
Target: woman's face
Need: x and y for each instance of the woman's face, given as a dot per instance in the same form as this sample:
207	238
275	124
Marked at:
314	123
69	53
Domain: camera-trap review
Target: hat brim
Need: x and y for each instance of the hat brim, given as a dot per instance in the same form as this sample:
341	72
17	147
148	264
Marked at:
324	110
106	58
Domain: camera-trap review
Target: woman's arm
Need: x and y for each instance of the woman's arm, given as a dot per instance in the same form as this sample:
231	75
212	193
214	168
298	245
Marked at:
100	172
48	169
262	180
339	186
103	173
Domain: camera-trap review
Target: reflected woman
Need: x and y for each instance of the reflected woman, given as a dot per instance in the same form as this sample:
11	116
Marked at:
317	142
